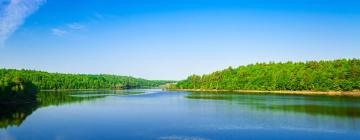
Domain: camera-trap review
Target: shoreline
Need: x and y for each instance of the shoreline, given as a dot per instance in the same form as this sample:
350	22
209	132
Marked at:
75	89
327	93
89	89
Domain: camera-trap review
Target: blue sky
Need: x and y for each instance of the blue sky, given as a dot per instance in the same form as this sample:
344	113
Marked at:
171	39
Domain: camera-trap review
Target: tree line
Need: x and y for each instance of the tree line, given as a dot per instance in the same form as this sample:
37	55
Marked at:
331	75
17	80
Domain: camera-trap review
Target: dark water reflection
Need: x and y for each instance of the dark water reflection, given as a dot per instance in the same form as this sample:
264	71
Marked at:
14	114
166	115
346	107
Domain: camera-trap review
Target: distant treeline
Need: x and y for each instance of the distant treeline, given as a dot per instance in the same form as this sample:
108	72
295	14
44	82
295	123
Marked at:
336	75
13	80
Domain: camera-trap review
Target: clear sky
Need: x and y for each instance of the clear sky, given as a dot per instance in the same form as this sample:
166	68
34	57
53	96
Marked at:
171	39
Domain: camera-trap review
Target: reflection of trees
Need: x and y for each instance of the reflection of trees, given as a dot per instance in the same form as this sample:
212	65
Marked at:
60	98
15	112
16	106
339	111
312	105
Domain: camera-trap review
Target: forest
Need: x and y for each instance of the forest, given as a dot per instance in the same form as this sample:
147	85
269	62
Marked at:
325	75
12	80
16	89
16	85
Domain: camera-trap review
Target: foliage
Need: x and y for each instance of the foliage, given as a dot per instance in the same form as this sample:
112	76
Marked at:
337	75
15	87
45	80
17	100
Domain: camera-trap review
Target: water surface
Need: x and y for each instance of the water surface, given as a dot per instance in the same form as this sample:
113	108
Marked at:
167	115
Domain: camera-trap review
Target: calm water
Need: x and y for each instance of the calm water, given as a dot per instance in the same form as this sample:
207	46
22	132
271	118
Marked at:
166	115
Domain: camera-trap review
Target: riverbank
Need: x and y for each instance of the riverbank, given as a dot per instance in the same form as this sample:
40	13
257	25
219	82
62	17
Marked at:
327	93
95	89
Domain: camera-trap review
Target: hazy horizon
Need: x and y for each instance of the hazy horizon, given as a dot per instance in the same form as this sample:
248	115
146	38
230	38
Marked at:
170	40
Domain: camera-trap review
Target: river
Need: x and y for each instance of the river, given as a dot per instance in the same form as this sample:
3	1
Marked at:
179	115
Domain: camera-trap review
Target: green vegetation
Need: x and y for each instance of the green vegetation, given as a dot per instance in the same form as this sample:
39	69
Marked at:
16	90
9	84
336	75
49	81
17	100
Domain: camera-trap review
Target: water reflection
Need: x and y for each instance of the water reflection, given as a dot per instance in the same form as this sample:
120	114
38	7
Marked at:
186	115
344	107
60	98
14	113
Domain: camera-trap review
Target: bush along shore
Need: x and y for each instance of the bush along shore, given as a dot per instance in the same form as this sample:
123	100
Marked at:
333	77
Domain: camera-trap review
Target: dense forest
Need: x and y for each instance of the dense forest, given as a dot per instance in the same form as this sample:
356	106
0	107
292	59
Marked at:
16	84
335	75
9	81
16	90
